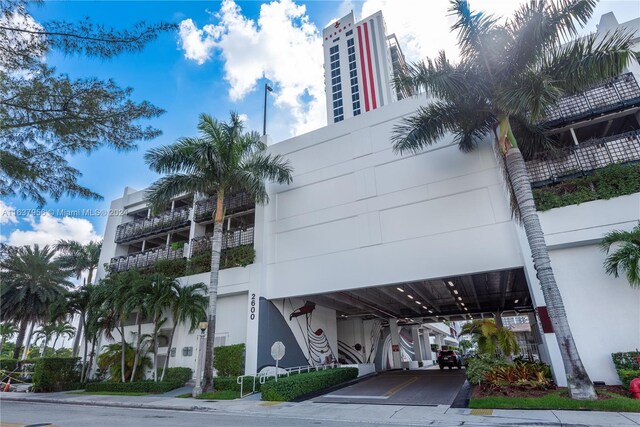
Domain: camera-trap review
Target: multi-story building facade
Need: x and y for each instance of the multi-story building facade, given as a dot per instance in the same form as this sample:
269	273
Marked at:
358	66
367	253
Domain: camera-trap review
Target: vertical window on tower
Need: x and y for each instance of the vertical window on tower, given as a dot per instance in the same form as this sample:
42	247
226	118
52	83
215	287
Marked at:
353	76
336	84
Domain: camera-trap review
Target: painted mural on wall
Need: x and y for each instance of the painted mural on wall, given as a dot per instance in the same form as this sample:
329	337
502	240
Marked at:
308	332
361	349
385	356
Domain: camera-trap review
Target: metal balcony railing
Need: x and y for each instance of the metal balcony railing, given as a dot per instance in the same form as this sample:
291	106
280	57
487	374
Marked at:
233	203
620	92
230	239
145	259
584	158
143	227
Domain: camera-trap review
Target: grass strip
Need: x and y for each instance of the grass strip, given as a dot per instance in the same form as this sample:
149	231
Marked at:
616	403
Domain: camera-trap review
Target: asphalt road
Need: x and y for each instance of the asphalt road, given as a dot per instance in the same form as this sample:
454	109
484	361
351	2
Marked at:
417	387
14	414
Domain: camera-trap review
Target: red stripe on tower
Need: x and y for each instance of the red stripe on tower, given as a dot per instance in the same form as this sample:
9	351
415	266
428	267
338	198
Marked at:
364	74
367	43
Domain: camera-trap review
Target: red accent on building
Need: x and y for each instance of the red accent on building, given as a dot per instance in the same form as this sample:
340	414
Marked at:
373	90
545	320
364	74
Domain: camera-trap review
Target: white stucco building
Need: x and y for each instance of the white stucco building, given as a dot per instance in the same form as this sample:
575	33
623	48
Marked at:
365	255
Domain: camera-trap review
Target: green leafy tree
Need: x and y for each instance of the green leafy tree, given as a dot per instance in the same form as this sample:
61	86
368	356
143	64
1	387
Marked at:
465	345
44	335
62	329
110	360
7	329
625	256
491	339
46	116
77	259
509	73
190	307
222	160
31	280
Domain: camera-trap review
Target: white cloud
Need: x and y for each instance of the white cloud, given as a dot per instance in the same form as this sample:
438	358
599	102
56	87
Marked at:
7	214
282	46
47	230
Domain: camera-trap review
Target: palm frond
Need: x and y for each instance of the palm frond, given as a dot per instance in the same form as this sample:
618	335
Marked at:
168	187
472	28
425	127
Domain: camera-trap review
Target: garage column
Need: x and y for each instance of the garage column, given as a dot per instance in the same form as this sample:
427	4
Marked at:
395	343
427	345
498	318
417	346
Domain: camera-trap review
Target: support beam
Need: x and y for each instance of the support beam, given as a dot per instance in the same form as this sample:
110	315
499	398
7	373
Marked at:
424	295
395	343
472	285
330	303
408	303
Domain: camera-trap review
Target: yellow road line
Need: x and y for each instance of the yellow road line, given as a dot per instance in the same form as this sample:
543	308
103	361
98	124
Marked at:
400	386
481	412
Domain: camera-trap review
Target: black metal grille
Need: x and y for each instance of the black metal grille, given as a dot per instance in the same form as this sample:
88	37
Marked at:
143	227
233	203
145	259
619	92
583	159
230	239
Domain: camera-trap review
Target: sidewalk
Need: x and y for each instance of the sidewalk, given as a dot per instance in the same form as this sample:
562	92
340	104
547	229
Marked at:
387	414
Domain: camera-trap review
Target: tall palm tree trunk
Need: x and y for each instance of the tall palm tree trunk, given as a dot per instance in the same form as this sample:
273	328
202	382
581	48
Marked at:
138	340
84	361
156	331
20	339
216	247
76	341
166	360
28	341
580	386
2	343
122	355
91	355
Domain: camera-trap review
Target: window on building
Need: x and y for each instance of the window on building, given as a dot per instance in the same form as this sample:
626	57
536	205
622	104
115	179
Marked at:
336	84
353	76
187	351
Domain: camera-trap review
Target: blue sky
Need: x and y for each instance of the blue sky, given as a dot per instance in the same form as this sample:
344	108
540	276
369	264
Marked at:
217	63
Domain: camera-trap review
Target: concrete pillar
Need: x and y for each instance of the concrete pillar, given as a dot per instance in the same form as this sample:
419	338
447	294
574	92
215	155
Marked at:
417	346
498	318
427	345
395	344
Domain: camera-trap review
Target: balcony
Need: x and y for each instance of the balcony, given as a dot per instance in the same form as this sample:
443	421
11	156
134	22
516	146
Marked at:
230	239
144	227
584	158
234	203
618	93
145	259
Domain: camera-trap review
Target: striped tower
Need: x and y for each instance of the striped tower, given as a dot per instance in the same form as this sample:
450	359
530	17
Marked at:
358	67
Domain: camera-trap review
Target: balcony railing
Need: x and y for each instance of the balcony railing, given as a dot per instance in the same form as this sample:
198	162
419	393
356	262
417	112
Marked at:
145	259
233	203
585	158
619	92
230	239
143	227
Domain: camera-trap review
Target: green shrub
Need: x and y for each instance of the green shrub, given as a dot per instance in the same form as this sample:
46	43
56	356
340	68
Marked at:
8	364
611	181
172	268
135	387
479	366
178	374
532	375
199	264
229	360
52	373
627	360
240	256
288	388
626	375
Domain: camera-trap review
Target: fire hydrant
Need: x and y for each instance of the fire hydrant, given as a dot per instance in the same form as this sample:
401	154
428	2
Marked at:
634	388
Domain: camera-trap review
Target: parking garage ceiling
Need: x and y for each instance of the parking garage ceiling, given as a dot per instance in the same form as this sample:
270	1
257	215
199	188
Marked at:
452	298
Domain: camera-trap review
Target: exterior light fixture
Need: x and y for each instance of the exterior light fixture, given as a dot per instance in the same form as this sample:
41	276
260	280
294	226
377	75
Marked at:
466	309
418	302
400	289
459	298
516	301
424	307
430	311
455	291
410	296
462	304
203	326
450	283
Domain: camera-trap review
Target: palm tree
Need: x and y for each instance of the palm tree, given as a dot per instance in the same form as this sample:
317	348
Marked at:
508	75
63	329
189	307
163	294
137	301
30	282
626	256
110	357
220	161
465	345
7	329
44	335
491	338
78	258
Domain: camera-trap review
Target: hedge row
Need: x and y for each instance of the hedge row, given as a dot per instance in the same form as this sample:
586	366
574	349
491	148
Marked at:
606	183
626	375
179	374
135	387
626	360
229	360
56	374
9	364
288	388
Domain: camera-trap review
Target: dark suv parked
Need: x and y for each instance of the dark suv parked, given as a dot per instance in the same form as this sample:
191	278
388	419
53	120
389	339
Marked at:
449	358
